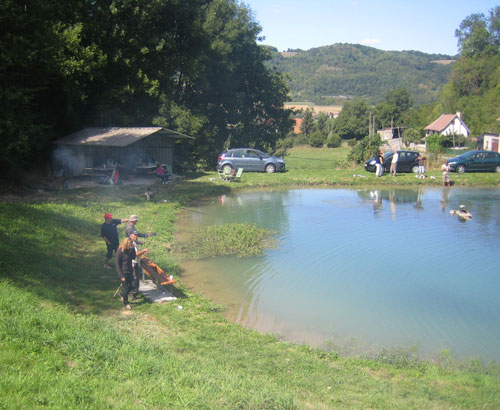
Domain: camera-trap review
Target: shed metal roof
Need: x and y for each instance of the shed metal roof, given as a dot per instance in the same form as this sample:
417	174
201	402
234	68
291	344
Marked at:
116	136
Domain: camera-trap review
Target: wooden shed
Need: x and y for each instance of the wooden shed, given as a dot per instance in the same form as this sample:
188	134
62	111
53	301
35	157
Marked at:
128	148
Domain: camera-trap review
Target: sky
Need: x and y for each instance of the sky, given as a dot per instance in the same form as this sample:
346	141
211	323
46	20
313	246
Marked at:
422	25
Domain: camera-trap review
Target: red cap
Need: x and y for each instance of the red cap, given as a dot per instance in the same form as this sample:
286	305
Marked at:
108	216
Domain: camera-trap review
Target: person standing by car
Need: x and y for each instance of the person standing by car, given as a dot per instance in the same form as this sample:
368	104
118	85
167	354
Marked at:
394	163
379	163
421	166
445	169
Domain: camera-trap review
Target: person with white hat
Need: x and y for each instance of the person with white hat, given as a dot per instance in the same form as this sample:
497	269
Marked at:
130	229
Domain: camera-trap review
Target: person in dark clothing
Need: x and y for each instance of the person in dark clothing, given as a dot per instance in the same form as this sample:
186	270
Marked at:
131	229
379	163
125	254
110	235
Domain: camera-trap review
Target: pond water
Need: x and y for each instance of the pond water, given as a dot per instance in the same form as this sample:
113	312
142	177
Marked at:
363	269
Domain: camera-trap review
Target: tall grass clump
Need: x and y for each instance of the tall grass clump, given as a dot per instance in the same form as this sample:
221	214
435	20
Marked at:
242	240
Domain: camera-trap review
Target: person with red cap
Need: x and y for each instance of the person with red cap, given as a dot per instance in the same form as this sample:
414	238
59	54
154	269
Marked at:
110	235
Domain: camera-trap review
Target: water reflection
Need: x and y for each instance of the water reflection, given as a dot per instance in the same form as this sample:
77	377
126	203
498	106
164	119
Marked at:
383	267
445	195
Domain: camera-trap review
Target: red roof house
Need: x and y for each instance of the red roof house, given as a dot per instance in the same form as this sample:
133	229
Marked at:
448	124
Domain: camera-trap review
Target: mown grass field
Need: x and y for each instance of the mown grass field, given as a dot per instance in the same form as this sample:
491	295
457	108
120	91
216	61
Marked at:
65	342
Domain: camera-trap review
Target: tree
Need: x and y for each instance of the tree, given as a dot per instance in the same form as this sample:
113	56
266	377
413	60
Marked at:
473	36
307	126
475	77
322	124
392	111
411	135
42	58
365	149
193	66
352	121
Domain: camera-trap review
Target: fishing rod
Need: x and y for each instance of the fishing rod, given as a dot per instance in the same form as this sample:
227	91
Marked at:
192	210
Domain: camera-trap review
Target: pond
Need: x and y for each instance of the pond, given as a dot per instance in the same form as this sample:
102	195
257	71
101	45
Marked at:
362	269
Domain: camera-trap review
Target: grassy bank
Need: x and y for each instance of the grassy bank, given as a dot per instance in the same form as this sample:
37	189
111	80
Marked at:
66	343
322	166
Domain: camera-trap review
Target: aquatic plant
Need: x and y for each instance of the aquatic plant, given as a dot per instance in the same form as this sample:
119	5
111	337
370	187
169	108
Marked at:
242	240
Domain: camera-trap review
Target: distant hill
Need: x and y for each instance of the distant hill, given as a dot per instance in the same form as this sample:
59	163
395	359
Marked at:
332	74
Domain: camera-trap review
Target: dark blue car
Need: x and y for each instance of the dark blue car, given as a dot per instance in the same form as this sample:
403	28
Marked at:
475	161
407	162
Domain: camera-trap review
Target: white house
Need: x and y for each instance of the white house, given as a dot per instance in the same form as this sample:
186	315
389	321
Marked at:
448	124
490	142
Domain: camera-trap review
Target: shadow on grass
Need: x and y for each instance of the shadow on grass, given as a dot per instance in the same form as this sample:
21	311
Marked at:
52	251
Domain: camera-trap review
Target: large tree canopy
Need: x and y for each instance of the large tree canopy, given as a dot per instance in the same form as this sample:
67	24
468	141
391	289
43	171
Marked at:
391	112
475	85
353	120
190	65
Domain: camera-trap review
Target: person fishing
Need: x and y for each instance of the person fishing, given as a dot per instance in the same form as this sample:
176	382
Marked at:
130	228
110	235
137	271
125	254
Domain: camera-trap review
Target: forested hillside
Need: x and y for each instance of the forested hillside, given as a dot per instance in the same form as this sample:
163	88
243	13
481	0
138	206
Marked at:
326	75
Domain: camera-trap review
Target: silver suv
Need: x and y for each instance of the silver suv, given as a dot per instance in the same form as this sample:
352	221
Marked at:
250	160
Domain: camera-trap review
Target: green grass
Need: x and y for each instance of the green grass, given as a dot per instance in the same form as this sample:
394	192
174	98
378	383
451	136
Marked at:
316	159
65	343
329	167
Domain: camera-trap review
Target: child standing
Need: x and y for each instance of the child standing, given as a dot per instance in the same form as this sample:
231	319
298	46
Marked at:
421	166
445	169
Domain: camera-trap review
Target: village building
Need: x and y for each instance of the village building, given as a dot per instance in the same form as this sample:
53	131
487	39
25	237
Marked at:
132	149
297	126
448	124
391	133
490	142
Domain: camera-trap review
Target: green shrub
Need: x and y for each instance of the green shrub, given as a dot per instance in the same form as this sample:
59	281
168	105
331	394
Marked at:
316	140
333	140
352	142
364	149
434	144
411	135
301	139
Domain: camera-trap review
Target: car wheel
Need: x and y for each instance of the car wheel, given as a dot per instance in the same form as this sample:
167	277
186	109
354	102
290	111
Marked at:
414	169
461	169
227	168
270	168
497	169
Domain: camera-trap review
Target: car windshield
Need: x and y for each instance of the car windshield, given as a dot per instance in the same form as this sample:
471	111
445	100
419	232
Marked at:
262	154
467	155
388	154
